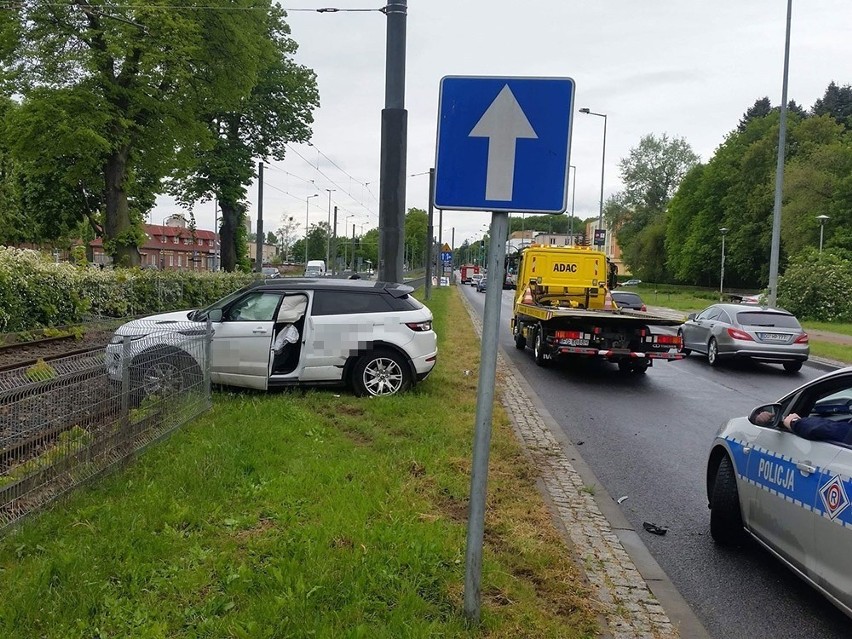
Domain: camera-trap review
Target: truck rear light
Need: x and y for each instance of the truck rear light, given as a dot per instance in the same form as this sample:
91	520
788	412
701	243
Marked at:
738	334
420	327
568	335
802	339
674	340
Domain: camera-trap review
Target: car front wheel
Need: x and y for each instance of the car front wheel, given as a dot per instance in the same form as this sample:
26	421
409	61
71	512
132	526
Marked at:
683	349
726	522
381	373
163	372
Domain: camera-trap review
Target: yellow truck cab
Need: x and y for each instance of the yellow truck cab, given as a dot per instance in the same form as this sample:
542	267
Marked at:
563	308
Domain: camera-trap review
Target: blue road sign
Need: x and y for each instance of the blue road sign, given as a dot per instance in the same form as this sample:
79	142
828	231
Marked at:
446	256
503	144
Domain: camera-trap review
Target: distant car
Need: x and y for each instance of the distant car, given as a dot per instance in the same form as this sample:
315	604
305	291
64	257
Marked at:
633	282
480	285
270	272
632	301
789	493
474	279
746	331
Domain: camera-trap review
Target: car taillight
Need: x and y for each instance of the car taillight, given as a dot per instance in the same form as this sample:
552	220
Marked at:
420	327
802	339
738	334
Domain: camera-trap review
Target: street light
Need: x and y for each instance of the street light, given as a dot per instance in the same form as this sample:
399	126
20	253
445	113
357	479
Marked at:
724	232
603	164
307	210
822	219
573	193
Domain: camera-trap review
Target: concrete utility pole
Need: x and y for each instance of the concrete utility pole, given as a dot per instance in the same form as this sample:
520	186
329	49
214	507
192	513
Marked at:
328	236
453	253
393	150
334	255
440	242
258	255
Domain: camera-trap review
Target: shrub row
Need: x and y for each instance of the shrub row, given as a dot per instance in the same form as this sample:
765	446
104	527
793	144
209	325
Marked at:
37	293
817	286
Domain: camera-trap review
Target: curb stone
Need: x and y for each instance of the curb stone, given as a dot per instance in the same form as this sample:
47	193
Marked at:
629	607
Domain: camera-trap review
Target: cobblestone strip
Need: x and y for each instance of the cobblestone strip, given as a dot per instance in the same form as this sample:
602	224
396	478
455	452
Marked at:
630	609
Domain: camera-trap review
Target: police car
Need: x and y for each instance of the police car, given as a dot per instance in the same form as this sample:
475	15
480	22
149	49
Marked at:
790	494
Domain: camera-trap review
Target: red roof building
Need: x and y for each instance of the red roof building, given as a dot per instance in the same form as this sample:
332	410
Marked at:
170	247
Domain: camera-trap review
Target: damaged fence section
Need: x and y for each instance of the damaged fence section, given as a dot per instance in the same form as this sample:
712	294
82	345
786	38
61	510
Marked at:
65	422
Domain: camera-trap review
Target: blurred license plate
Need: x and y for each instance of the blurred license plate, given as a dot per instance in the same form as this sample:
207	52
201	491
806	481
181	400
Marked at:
575	342
772	337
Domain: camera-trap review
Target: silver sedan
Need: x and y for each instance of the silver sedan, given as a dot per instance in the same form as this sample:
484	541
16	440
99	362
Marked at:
789	493
746	331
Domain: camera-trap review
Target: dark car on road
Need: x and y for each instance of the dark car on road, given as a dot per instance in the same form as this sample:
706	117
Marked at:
632	301
480	285
746	331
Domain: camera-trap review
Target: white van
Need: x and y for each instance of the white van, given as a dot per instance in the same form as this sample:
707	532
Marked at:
315	268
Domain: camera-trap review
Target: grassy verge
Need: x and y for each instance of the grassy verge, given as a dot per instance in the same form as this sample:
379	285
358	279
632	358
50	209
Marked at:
303	514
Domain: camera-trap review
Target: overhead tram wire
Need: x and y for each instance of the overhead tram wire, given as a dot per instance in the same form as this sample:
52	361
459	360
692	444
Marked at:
168	7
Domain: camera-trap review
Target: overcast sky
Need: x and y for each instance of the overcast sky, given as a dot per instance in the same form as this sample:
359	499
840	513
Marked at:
682	67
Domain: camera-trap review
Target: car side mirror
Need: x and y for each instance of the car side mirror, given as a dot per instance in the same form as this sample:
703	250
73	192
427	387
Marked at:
691	316
215	315
767	415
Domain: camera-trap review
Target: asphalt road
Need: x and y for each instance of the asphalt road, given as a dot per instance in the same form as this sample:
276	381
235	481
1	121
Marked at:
646	437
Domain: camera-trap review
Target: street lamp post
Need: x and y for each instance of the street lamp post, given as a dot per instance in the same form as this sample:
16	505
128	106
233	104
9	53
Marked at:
603	162
822	219
307	227
724	232
573	193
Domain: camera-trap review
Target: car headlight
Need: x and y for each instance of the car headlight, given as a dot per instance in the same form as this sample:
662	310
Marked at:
119	339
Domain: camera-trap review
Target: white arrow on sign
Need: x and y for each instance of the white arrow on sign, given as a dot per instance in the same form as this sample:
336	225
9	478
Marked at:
503	123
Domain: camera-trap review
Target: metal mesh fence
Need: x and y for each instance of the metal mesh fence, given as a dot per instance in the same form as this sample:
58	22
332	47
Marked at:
64	422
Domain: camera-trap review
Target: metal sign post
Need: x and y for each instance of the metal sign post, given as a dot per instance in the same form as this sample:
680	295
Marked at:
484	409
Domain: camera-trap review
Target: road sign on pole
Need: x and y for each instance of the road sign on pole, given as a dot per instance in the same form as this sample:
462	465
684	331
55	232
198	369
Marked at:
503	144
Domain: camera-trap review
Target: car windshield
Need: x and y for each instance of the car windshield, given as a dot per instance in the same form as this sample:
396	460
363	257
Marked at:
763	318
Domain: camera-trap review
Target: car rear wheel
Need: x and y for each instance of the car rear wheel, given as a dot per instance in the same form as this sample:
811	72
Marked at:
380	373
538	348
683	349
520	340
712	352
792	367
726	522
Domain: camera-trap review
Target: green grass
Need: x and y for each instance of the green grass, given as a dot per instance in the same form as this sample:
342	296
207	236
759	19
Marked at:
837	352
303	514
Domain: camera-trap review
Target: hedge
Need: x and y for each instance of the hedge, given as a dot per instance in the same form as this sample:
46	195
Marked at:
36	292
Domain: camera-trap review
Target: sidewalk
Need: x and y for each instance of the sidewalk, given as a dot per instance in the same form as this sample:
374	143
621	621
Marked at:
635	597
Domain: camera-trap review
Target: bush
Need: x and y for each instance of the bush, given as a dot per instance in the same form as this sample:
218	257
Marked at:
817	287
36	293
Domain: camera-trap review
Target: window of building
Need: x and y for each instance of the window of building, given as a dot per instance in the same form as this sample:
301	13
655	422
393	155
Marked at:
171	260
175	239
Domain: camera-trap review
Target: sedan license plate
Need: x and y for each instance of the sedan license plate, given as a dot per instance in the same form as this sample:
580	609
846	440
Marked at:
773	337
574	342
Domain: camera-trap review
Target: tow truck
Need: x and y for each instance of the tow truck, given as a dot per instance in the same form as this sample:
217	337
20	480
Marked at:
563	309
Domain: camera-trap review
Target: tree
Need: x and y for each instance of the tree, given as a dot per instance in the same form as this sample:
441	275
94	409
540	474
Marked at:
651	173
285	235
130	73
761	108
836	103
273	108
416	221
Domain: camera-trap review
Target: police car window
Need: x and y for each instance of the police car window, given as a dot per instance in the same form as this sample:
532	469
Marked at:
832	398
349	302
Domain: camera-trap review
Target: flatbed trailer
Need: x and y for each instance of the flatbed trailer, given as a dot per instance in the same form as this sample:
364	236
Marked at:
565	310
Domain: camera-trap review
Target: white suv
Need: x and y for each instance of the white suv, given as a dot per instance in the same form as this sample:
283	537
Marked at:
372	336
